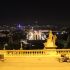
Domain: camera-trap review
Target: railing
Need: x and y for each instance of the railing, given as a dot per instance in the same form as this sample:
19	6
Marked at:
60	51
25	52
22	52
35	52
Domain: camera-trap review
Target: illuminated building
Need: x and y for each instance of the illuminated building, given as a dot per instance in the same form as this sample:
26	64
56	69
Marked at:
36	35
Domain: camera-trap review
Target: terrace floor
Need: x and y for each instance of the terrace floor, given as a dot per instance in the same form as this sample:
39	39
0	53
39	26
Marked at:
33	63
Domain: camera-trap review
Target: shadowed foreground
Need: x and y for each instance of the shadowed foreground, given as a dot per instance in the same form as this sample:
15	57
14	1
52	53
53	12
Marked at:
33	63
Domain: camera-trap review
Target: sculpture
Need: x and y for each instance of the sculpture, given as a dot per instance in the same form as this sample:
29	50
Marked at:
50	41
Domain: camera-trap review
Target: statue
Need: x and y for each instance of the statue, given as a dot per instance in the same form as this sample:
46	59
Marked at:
50	41
54	40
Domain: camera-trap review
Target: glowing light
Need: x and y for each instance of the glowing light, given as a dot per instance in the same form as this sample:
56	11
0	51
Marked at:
57	33
19	26
63	32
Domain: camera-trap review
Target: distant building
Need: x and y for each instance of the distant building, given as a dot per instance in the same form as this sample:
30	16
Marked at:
36	35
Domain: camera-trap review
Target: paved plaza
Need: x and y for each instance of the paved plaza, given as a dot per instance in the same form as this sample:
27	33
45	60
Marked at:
33	63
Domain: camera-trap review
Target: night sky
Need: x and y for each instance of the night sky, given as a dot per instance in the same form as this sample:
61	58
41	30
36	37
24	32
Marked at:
30	13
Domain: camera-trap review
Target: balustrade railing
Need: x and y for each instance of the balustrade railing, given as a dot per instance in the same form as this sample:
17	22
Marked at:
34	52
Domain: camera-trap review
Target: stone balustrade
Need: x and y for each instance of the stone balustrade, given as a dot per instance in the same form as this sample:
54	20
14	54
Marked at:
35	52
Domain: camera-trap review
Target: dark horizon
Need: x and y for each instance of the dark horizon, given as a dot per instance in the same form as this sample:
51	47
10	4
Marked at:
30	13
